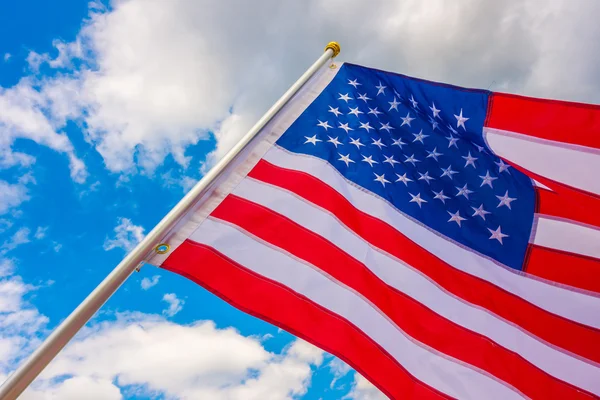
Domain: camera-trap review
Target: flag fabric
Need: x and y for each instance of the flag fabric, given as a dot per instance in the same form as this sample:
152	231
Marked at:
443	241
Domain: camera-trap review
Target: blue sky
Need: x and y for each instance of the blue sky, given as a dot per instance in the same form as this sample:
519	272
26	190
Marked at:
109	112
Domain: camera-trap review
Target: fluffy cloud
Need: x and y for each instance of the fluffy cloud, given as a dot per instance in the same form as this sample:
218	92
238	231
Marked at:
127	235
11	195
157	76
182	361
20	321
38	114
21	236
147	283
175	304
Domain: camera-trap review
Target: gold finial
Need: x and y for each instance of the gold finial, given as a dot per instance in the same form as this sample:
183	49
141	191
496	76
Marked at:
335	46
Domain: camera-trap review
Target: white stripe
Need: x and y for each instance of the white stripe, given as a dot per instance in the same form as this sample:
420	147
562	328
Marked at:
570	304
439	372
572	165
420	288
567	236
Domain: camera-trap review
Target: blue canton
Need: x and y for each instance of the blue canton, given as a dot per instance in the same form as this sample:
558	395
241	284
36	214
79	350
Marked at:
419	145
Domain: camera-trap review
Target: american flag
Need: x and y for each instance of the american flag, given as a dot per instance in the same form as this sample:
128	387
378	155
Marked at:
443	241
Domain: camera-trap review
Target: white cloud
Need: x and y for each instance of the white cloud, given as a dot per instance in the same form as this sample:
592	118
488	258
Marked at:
20	320
157	75
194	361
6	57
18	238
40	232
339	369
11	195
56	246
175	304
37	111
127	235
147	283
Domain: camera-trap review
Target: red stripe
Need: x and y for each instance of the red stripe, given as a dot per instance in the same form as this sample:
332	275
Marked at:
412	317
568	203
277	304
563	267
577	338
562	121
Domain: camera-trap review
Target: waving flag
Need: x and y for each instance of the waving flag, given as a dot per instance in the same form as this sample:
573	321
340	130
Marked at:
443	241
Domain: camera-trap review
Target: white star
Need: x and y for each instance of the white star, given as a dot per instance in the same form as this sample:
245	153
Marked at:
353	83
463	191
378	143
380	89
406	120
448	172
364	97
365	126
412	160
369	160
397	94
502	166
452	141
417	199
324	124
487	179
419	137
460	120
345	127
479	148
480	212
355	111
440	196
456	217
425	177
394	105
413	102
386	127
398	142
435	111
505	200
335	111
356	142
434	154
334	140
344	97
312	140
345	159
451	129
497	234
381	178
390	160
403	179
374	111
470	160
434	124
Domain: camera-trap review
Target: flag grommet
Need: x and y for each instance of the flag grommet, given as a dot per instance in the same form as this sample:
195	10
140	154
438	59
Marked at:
162	248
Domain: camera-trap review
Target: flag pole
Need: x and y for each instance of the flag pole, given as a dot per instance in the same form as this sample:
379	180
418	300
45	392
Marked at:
41	357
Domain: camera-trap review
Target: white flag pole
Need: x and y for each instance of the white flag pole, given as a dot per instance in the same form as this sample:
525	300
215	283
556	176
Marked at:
41	357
